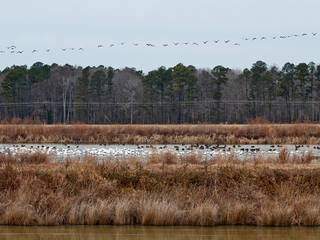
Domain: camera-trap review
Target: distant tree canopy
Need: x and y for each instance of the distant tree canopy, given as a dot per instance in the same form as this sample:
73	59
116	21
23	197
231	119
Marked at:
180	94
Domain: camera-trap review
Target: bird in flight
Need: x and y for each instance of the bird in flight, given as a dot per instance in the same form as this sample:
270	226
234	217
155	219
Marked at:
19	52
176	43
136	44
246	39
274	37
150	45
314	34
186	43
64	49
165	45
111	45
236	44
195	43
34	51
304	34
226	41
71	49
254	38
205	42
80	49
263	38
216	41
100	46
48	50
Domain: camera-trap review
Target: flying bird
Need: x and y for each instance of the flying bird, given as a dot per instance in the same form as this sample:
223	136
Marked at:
246	39
165	45
304	34
205	42
48	50
195	43
186	43
72	49
274	37
150	45
176	43
19	52
34	51
263	38
254	38
216	41
136	44
64	49
236	44
314	34
226	41
100	46
111	45
122	43
80	49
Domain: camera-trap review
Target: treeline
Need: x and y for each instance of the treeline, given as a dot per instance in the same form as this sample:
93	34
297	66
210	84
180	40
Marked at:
181	94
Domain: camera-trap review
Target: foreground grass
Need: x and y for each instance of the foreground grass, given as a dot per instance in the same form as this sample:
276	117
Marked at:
164	190
163	134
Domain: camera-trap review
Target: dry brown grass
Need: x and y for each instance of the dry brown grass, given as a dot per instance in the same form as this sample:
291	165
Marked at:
164	190
163	134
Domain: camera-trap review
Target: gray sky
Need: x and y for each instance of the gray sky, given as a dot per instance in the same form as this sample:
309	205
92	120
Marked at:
40	24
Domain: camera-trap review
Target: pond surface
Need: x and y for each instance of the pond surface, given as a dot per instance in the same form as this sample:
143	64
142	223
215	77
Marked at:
207	151
157	233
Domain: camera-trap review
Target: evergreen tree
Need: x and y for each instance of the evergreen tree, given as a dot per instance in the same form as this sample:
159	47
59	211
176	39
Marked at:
183	86
15	84
97	84
39	72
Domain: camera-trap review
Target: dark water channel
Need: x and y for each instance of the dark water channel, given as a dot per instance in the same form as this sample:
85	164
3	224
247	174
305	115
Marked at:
156	233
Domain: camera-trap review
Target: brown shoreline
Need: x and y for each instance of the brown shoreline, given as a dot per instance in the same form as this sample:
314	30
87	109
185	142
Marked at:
165	190
162	134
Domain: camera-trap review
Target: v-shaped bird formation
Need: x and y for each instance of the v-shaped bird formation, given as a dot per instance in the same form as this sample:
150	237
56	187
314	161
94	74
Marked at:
12	49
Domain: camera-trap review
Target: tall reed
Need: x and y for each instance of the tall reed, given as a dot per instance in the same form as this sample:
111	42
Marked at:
163	134
163	190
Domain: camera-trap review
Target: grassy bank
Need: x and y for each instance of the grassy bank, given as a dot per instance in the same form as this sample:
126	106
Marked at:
164	190
163	134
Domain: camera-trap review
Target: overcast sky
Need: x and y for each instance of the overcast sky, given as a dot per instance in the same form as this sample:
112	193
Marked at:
42	24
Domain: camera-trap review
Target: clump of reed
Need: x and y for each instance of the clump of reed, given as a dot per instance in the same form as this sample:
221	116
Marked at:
165	189
162	134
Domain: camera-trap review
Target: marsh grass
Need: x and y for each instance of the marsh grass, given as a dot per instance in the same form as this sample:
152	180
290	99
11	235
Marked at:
165	189
162	134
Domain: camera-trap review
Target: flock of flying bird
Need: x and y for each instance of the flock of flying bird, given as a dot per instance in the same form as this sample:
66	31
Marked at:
14	50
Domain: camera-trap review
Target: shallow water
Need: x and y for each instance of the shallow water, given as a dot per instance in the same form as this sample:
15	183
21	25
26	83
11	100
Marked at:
157	233
206	151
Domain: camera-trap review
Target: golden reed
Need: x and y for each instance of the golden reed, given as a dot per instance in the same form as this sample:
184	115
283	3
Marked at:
162	134
165	189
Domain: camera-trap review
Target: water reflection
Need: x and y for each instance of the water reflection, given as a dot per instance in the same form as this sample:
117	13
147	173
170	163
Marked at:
155	233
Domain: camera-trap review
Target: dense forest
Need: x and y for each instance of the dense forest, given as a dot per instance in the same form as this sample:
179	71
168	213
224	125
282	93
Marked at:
181	94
